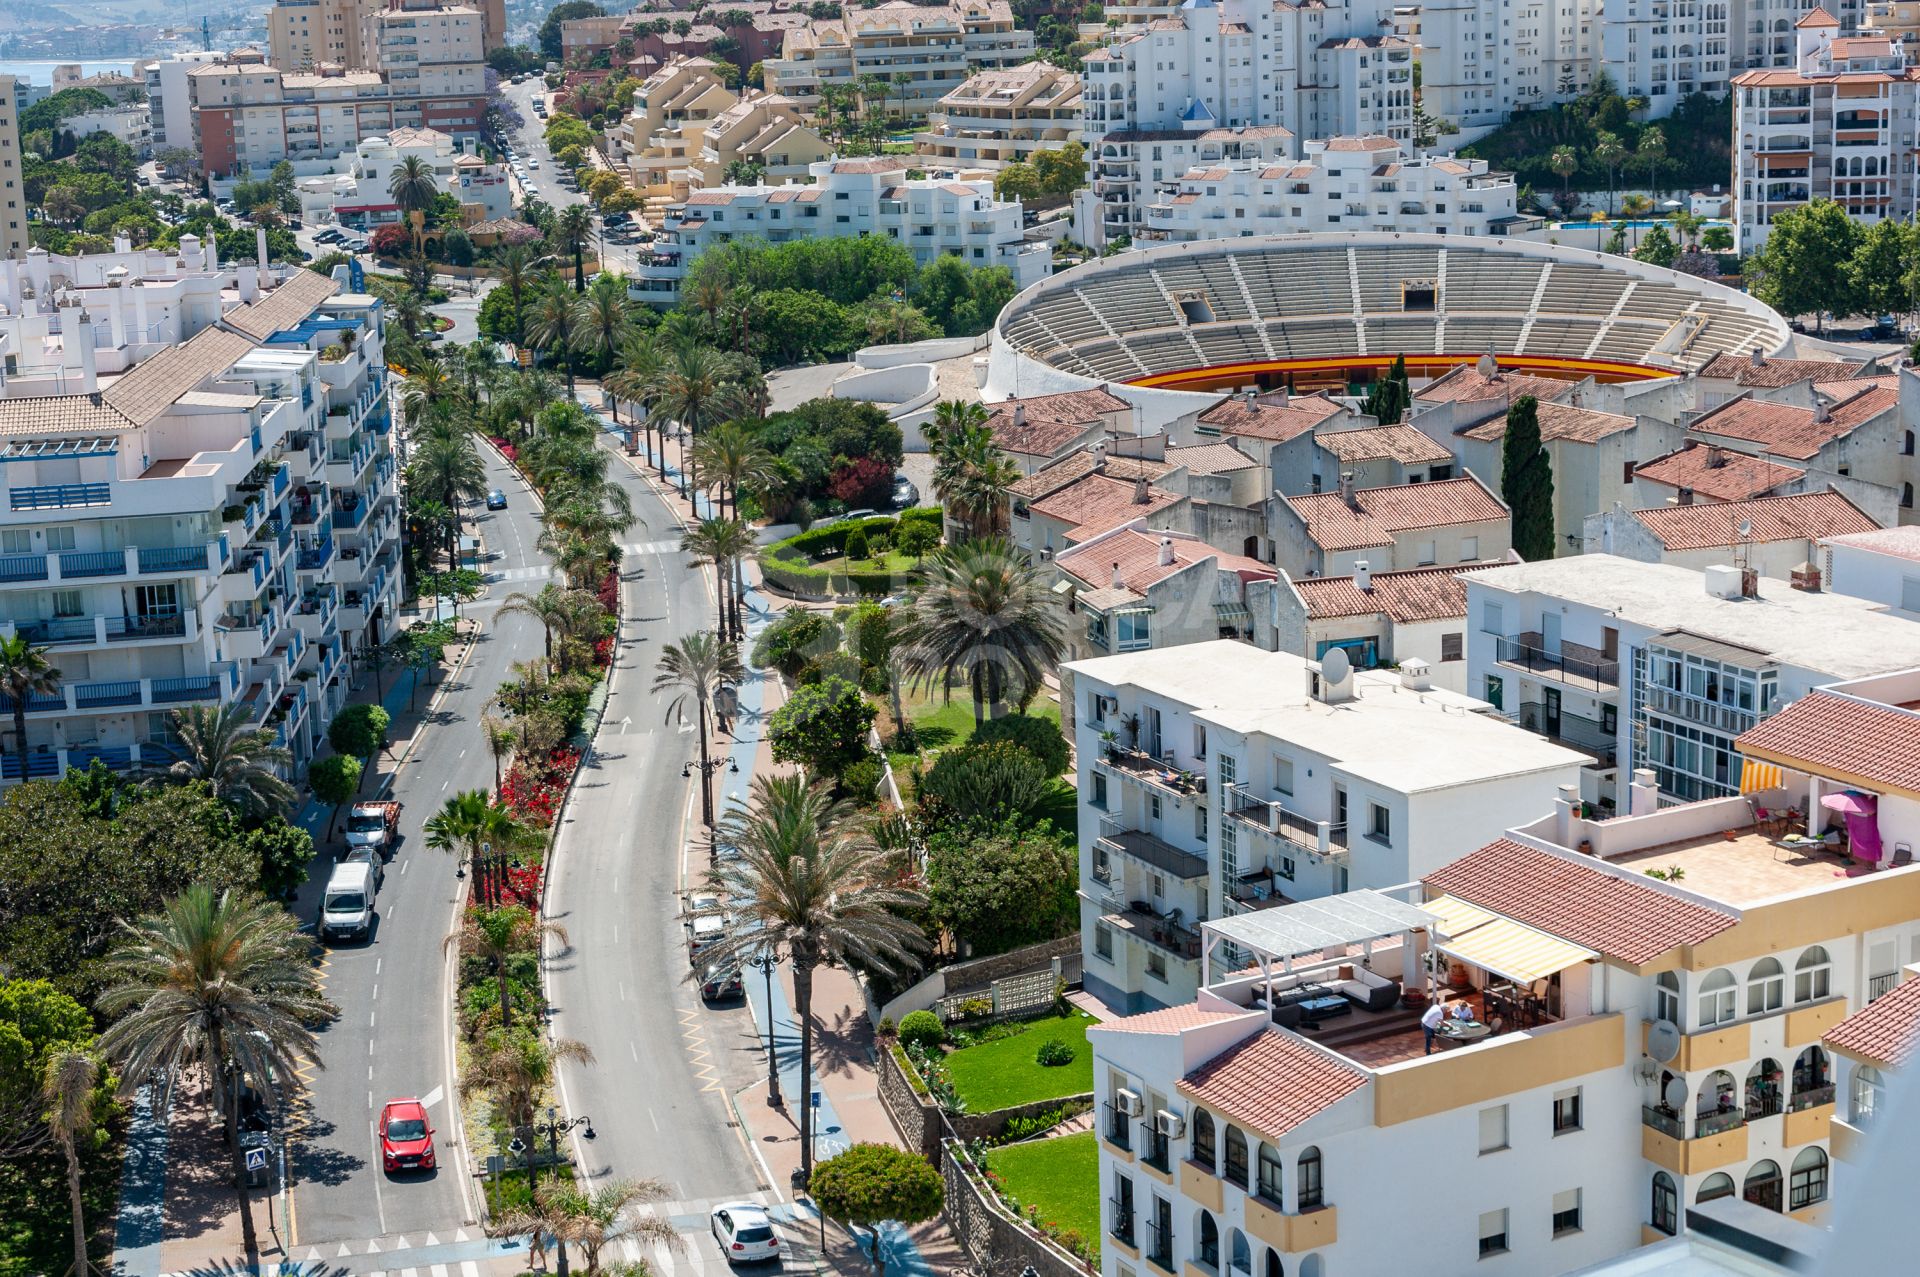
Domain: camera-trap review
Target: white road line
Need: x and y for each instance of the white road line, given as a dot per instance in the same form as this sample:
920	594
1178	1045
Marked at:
634	1051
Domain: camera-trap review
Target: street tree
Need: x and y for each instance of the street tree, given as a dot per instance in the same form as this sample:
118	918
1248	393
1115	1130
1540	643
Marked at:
874	1184
981	611
334	780
25	673
1802	268
694	670
1526	481
822	727
360	731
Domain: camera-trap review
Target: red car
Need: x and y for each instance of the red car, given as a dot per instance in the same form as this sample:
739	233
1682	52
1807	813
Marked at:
406	1140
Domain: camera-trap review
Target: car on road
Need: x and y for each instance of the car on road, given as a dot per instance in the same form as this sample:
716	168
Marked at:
534	164
496	500
744	1232
720	981
369	856
904	493
346	909
331	235
617	219
406	1137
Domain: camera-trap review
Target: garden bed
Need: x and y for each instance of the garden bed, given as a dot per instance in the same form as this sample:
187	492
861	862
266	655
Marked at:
1003	1074
1055	1185
813	564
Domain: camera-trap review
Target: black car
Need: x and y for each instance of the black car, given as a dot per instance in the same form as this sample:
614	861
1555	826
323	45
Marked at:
718	982
496	500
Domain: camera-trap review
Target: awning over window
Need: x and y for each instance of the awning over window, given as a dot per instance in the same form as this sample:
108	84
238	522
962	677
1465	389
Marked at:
1456	916
1232	612
1062	586
1756	776
1514	950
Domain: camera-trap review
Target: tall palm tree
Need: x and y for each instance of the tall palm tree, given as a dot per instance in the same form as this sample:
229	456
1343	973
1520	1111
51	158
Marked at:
411	315
696	668
428	383
25	672
635	377
498	934
697	392
238	762
821	891
605	319
550	607
973	476
514	267
414	187
598	1217
478	831
448	471
518	1067
980	609
731	456
574	226
225	983
554	324
480	366
951	417
67	1088
723	543
499	738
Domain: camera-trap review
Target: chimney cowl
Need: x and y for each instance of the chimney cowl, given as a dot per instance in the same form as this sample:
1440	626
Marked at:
1758	358
1363	577
1119	582
1140	495
1166	552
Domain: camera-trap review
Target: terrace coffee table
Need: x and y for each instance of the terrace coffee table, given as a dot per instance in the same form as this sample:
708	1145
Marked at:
1326	1008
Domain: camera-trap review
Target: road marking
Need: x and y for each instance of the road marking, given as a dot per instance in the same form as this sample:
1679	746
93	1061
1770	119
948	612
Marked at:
468	1268
379	1199
371	1016
634	1051
654	1120
343	1252
373	1247
377	961
399	1243
438	1270
433	1097
375	994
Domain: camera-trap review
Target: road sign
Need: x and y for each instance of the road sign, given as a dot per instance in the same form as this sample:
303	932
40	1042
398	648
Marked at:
256	1159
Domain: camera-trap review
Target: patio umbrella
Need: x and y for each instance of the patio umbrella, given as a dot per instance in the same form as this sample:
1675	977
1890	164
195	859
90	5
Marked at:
1863	830
1851	803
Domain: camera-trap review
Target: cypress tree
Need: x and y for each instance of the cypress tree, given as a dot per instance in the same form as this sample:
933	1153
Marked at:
1526	481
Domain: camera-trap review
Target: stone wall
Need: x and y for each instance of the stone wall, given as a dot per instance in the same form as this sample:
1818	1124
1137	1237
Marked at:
915	1116
988	1126
997	1244
980	973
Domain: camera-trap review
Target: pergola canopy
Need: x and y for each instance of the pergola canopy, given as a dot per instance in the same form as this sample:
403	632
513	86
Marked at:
1311	926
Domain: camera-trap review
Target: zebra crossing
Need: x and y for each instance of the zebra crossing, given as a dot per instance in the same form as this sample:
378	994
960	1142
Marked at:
542	572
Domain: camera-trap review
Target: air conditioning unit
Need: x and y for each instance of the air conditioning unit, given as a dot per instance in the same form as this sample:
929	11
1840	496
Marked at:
1112	703
1046	553
1169	1124
1129	1102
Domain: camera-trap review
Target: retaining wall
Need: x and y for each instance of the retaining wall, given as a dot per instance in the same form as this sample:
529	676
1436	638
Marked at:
998	1244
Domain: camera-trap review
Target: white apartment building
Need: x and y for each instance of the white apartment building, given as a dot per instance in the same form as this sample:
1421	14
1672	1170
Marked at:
426	49
216	522
1003	117
169	108
1341	183
1378	619
1502	58
1394	528
926	50
1649	665
1220	781
1129	589
870	196
1664	51
1776	536
1637	1046
1834	123
132	125
13	219
363	195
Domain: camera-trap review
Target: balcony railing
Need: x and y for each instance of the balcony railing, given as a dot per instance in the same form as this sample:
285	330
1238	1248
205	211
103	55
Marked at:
1880	985
1137	764
1526	651
1164	931
1706	1124
173	558
1122	1228
1664	1122
1270	817
1731	719
221	681
59	496
1810	1098
100	629
1585	734
1119	1127
1154	852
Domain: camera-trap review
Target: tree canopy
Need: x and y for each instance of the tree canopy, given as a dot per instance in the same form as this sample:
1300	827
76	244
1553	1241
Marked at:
1526	481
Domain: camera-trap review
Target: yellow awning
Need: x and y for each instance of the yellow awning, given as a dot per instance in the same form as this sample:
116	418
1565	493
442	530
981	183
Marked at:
1756	776
1457	917
1514	950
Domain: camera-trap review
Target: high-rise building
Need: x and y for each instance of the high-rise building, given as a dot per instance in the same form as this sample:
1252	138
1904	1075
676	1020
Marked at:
922	51
303	34
13	217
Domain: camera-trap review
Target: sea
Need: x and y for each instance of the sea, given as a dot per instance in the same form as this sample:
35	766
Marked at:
42	72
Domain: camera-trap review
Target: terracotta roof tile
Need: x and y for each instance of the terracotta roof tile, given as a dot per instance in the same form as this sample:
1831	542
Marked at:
1096	502
1275	417
1792	432
1799	516
1400	443
1170	1020
1719	473
1465	384
1383	512
1773	373
1273	1082
1058	474
1559	421
1210	458
296	298
1422	594
1885	1031
59	415
1583	903
1050	422
150	387
1843	736
1135	555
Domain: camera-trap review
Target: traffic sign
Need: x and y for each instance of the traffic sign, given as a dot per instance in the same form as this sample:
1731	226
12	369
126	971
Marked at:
814	1099
256	1159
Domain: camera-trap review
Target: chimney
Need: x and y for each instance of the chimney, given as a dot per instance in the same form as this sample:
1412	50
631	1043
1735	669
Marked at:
1140	491
260	248
248	278
1645	791
1099	451
1715	457
1820	410
1363	577
1346	490
1119	582
80	333
1806	577
139	288
1166	552
122	244
1565	804
1252	397
1757	359
1416	675
1019	414
1684	496
210	255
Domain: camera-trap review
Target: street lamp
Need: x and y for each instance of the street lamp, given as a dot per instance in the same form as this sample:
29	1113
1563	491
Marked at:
554	1127
707	766
765	963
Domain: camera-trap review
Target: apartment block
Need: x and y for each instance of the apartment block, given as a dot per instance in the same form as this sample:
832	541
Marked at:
1341	183
924	51
363	195
13	218
687	129
1001	117
1393	528
1131	589
1650	665
1379	619
169	107
209	516
872	196
1776	536
1221	781
427	49
303	34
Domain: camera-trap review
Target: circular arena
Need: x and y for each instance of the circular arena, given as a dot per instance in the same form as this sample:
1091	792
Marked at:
1331	311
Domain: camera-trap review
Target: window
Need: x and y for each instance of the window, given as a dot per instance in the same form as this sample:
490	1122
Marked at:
1493	1129
1099	790
1157	966
1236	1167
1307	1190
1270	1171
1812	976
1153	806
1208	1251
1869	1094
1453	647
67	603
1203	1139
1103	941
1496	691
1134	631
1379	823
1566	1212
1283	775
1717	998
1766	987
1566	1111
1123	1209
1808	1185
1199	740
1666	997
1666	1204
16	540
1715	1187
60	539
1427	553
1469	549
1493	1233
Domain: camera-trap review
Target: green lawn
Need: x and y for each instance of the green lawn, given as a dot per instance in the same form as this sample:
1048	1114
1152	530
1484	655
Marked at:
1061	1176
1001	1074
940	723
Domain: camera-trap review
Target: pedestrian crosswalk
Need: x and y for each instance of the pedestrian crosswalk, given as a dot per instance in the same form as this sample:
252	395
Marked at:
542	572
652	547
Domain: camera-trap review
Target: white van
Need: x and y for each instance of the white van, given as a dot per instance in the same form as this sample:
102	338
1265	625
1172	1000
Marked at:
347	907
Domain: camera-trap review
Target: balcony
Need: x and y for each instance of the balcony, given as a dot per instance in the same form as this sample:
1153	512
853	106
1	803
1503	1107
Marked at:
1322	838
1157	854
1576	731
315	557
1143	768
76	698
129	561
1165	932
1526	651
100	630
59	496
1730	719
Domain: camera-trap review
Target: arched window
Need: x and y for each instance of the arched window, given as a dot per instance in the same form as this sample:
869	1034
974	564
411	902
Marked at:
1313	1266
1666	997
1666	1204
1239	1254
1716	998
1209	1249
1906	444
1715	1187
1764	1098
1766	987
1307	1190
1274	1267
1869	1093
1236	1169
1906	496
1812	1079
1812	976
1203	1139
1809	1183
1717	1107
1763	1185
1270	1173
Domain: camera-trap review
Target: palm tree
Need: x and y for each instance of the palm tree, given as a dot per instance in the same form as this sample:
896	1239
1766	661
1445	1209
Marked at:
498	934
549	607
428	383
517	1067
25	672
1609	152
513	266
414	188
68	1087
696	391
479	832
499	738
605	319
635	378
574	226
972	475
696	668
215	744
723	543
448	471
226	983
411	315
554	324
480	365
821	890
980	608
1564	161
598	1217
730	456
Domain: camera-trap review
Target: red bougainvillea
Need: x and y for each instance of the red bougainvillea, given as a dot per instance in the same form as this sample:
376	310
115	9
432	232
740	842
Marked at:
867	482
534	789
609	592
521	886
507	450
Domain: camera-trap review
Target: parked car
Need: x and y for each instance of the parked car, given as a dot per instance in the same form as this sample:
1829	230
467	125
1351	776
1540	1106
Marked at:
496	500
368	855
720	981
617	219
406	1137
703	932
904	493
744	1232
331	235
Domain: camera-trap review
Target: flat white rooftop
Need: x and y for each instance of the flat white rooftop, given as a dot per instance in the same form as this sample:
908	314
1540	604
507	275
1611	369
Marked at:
1403	740
1828	633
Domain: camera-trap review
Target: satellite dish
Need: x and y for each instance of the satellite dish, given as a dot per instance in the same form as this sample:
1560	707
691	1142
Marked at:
1676	1093
1746	528
1646	1070
1663	1040
1334	666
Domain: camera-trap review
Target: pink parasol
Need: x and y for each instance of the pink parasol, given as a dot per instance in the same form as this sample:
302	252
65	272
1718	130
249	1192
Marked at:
1851	803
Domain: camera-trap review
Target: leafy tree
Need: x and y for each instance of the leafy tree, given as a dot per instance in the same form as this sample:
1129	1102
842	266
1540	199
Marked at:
795	637
1657	248
872	1184
963	299
457	248
1879	267
1392	395
284	851
1526	481
1018	181
566	11
994	892
863	482
50	111
37	1023
988	783
1717	239
1038	736
797	326
334	780
1802	269
360	731
822	727
1062	170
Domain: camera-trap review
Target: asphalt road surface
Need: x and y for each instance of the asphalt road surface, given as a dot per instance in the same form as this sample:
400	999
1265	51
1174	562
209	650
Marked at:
392	1037
530	143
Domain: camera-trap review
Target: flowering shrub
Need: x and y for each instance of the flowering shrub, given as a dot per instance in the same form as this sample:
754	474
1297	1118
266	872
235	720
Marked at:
533	789
522	887
609	592
507	450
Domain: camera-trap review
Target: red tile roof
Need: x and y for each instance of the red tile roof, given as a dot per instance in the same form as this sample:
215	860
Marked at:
1275	417
1842	736
1335	525
1582	903
1170	1020
1718	473
1885	1031
1465	384
1273	1082
1094	503
1559	421
1210	458
1422	594
1799	516
1788	431
1397	443
1135	554
1773	372
1049	423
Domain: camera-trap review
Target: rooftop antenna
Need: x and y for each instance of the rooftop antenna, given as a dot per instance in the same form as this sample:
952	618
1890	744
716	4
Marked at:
206	34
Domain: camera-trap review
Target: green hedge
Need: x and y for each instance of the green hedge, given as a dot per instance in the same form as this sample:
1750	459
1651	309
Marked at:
791	565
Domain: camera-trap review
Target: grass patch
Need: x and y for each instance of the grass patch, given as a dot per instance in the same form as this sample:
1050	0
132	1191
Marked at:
997	1075
941	723
1061	1177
